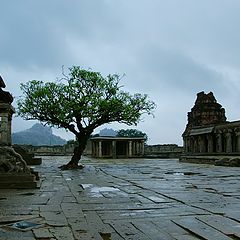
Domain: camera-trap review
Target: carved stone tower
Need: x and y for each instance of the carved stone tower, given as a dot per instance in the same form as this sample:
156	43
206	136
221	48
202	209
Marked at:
205	112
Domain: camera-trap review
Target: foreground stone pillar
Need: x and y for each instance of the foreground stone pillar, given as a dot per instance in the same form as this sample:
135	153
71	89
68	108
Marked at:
14	172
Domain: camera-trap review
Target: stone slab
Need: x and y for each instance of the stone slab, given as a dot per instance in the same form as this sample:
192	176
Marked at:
129	199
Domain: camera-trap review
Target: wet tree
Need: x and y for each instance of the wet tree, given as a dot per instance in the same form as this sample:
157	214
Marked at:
80	102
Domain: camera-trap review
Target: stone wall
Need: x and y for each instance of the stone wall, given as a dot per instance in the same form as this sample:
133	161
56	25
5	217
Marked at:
151	151
51	150
163	151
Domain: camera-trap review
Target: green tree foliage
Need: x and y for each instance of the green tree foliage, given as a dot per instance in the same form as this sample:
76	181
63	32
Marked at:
80	102
131	133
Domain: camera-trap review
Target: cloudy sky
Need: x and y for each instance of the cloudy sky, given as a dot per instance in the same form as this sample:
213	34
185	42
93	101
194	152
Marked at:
169	49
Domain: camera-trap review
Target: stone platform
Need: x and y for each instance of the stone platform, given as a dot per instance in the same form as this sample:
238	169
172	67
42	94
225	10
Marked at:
18	181
14	172
218	160
125	199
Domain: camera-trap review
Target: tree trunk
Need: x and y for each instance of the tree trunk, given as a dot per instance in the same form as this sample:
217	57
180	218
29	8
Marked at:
77	153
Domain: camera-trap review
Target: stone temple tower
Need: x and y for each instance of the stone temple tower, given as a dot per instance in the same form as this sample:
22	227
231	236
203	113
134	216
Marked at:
205	112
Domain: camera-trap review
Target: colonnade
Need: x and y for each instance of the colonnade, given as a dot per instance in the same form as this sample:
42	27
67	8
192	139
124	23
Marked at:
220	140
117	147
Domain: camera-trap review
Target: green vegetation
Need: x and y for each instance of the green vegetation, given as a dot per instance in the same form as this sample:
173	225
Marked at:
131	133
80	102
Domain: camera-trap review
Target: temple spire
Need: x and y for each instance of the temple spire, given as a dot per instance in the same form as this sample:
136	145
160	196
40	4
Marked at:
5	97
2	84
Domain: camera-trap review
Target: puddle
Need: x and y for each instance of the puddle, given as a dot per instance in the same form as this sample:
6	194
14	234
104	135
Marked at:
27	194
99	191
24	225
182	173
156	199
84	186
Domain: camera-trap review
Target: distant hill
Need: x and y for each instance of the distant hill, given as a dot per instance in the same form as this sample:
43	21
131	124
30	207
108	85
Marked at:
37	135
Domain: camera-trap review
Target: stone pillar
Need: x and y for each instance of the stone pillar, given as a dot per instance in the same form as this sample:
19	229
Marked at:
129	149
100	149
142	147
187	144
228	141
201	144
114	150
219	142
10	128
6	112
3	127
195	145
237	132
14	172
210	144
93	148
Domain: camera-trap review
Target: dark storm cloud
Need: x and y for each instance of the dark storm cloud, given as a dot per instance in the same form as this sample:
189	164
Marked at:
168	49
37	33
173	69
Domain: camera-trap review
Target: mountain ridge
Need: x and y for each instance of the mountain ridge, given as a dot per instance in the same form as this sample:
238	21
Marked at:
37	135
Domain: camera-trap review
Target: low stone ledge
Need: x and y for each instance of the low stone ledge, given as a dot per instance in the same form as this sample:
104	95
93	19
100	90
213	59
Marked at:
14	172
223	160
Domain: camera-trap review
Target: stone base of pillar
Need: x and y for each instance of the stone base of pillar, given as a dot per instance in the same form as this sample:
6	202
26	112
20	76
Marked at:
18	181
28	157
14	172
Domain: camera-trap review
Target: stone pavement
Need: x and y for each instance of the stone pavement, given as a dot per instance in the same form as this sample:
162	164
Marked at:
125	199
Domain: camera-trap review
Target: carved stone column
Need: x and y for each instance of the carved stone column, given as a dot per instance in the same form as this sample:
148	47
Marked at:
142	147
6	112
228	136
100	149
194	145
237	132
114	150
14	172
210	144
219	142
185	144
190	145
201	144
130	149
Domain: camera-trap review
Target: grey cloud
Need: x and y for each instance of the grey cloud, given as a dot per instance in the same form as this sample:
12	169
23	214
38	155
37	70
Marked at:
169	49
174	70
37	33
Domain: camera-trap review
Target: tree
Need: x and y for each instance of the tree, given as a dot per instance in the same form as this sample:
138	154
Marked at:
80	102
131	133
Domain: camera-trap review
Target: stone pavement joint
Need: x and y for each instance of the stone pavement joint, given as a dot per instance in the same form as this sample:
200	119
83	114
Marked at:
126	199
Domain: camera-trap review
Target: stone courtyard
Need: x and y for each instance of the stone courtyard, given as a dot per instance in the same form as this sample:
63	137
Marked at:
125	199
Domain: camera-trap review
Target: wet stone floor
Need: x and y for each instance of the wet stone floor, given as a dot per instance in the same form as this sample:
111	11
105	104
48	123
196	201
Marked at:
125	199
